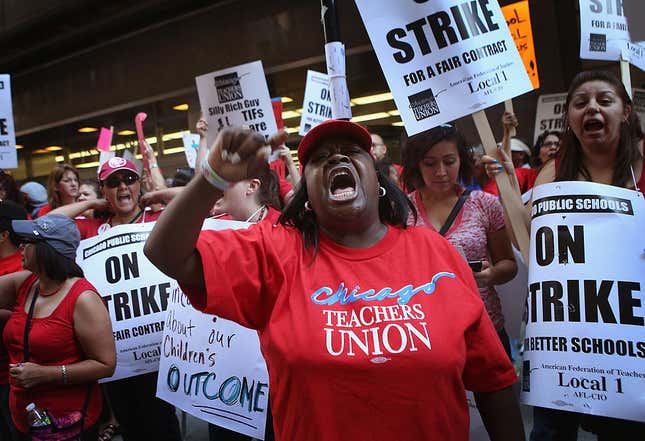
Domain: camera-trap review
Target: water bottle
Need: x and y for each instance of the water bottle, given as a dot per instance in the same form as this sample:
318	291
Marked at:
37	418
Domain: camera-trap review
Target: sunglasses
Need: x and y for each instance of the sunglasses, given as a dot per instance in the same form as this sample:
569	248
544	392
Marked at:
115	180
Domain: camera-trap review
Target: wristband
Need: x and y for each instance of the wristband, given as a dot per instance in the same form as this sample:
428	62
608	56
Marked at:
213	178
63	370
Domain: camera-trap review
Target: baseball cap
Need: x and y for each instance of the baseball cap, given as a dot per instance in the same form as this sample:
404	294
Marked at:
57	230
114	165
333	128
36	193
519	146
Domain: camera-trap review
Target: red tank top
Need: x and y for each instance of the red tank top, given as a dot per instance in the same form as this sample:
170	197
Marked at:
8	265
641	181
52	342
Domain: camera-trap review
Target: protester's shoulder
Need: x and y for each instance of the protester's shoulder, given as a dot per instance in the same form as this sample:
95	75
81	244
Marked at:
547	173
483	199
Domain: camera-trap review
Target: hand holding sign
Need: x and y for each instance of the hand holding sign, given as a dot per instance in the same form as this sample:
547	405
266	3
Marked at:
238	154
138	123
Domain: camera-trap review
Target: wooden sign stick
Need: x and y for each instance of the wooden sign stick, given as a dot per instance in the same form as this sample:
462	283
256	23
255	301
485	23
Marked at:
511	201
508	107
625	75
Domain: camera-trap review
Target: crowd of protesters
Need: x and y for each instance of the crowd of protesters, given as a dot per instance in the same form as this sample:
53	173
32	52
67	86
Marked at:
349	213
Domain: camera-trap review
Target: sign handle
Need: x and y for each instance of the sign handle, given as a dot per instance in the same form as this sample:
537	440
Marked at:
625	75
508	107
511	201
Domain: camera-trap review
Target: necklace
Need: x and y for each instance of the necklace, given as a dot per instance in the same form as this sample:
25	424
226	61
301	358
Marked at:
49	294
260	214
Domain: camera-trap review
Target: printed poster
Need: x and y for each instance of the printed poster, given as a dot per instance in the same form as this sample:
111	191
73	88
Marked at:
549	114
316	106
604	34
136	294
518	19
236	96
444	59
212	368
8	152
584	349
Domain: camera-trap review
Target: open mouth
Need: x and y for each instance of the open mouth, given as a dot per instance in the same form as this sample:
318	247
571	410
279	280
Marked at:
123	198
342	184
593	125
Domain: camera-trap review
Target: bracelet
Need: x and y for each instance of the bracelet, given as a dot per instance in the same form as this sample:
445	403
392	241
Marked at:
212	177
63	370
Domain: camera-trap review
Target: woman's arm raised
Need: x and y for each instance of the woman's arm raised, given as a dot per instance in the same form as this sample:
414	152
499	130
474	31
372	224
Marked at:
236	154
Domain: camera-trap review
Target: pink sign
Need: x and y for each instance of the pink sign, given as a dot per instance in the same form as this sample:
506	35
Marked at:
105	140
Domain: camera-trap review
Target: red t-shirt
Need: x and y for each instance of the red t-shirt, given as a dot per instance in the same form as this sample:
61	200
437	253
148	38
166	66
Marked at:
90	227
8	265
52	342
45	209
357	344
525	178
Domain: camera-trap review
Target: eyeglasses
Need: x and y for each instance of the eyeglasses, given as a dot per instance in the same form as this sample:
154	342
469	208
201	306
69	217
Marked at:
551	144
115	180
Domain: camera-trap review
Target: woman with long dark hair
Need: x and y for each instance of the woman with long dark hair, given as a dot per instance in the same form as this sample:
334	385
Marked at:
602	142
363	322
59	337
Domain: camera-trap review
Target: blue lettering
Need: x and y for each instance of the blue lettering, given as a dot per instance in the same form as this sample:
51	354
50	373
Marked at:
324	296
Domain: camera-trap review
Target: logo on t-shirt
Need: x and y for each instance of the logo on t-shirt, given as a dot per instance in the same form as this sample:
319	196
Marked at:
376	330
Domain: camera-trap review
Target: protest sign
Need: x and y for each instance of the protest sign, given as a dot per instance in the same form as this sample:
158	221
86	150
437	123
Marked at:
8	153
549	113
191	144
638	98
444	59
135	291
604	33
236	96
518	19
212	368
584	346
316	105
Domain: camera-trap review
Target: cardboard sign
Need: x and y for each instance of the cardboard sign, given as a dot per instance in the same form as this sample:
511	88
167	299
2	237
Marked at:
518	19
236	96
191	144
8	152
549	114
604	33
316	105
638	98
444	59
584	349
135	292
212	368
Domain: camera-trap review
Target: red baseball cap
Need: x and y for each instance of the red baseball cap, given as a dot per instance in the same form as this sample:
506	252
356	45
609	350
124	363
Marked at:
333	128
114	165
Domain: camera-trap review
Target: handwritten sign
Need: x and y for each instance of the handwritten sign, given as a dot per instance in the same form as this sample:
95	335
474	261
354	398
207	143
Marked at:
316	106
549	114
191	144
584	346
212	368
135	291
444	59
8	153
604	33
518	19
236	96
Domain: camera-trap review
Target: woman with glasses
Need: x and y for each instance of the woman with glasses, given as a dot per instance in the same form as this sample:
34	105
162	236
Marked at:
59	337
434	164
546	147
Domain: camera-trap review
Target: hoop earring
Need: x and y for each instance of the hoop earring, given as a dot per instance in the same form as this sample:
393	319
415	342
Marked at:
307	206
382	192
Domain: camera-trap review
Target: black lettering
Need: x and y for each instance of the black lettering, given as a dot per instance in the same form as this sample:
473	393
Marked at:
130	265
626	303
552	299
417	28
574	246
573	298
459	21
595	6
488	15
393	39
148	300
3	127
440	26
121	309
112	269
474	22
598	300
534	288
544	246
164	294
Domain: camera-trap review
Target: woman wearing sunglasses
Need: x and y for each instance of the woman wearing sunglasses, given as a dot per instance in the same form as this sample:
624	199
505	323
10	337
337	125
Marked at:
120	184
